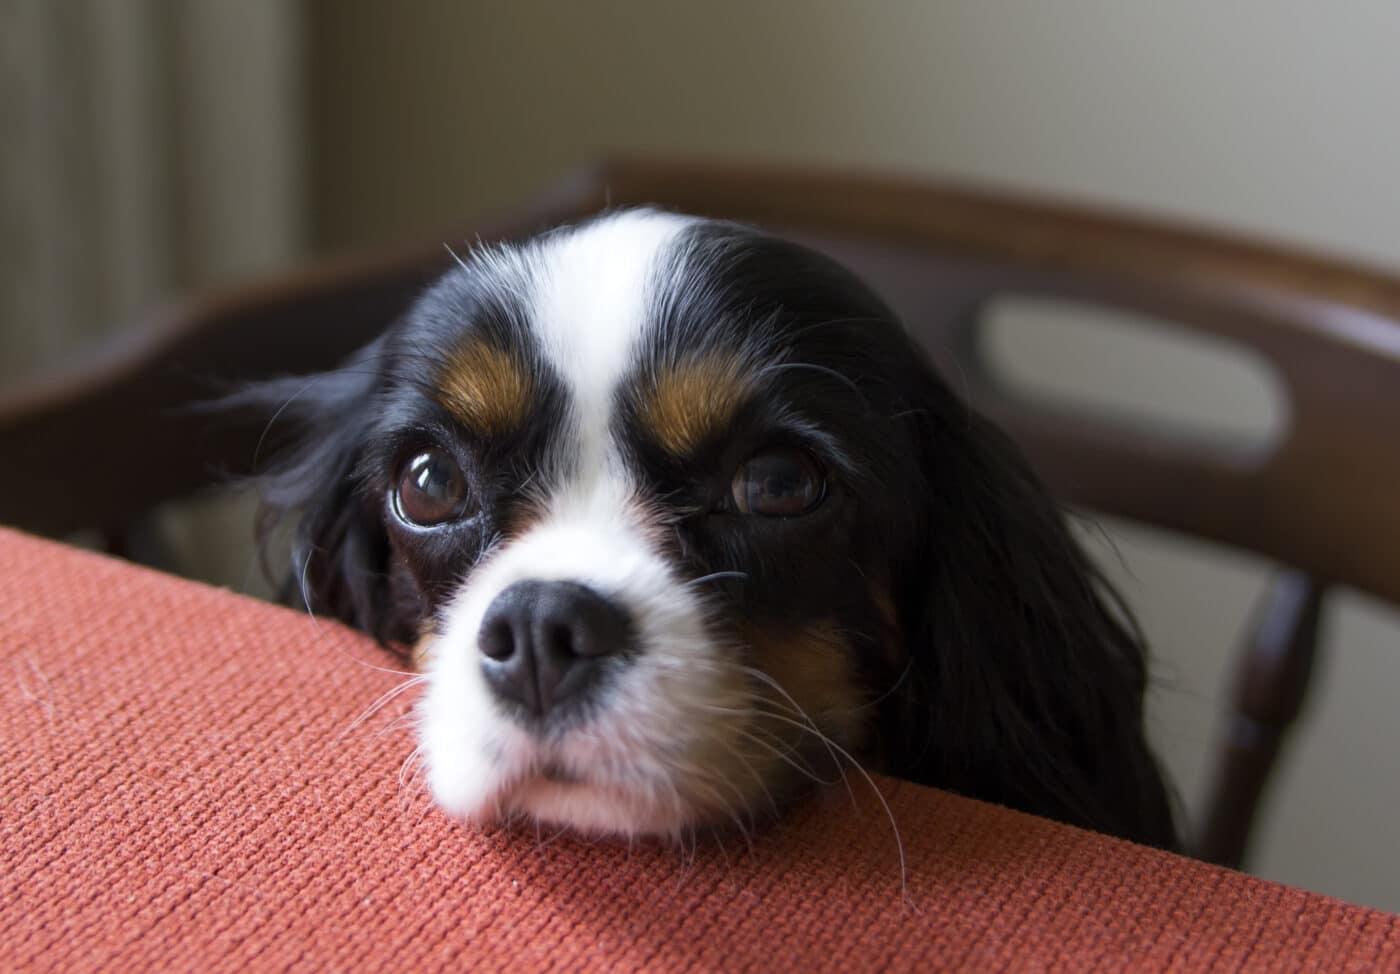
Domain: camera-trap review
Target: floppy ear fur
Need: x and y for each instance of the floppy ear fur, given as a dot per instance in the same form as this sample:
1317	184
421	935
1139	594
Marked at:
1027	674
339	549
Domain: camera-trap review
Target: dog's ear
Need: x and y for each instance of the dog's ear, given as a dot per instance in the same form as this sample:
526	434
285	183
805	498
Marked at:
1027	672
320	425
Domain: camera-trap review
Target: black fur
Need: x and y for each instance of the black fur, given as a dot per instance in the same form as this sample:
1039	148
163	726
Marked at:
1020	675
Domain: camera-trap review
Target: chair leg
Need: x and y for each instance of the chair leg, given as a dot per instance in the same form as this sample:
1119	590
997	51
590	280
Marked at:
1271	683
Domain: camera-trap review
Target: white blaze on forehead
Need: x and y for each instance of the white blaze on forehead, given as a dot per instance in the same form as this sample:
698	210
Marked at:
591	294
588	297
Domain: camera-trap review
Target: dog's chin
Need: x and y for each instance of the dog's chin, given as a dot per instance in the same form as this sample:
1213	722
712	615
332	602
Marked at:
502	775
495	773
600	812
551	797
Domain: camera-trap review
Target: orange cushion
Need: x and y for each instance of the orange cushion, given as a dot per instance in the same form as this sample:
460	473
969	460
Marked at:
187	784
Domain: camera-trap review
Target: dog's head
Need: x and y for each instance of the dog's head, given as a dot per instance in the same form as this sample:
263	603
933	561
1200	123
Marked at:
680	519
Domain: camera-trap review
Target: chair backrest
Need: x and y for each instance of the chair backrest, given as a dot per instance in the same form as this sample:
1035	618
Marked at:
1321	499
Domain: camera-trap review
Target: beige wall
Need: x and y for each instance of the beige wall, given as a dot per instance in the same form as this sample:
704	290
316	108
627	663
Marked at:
147	148
1273	117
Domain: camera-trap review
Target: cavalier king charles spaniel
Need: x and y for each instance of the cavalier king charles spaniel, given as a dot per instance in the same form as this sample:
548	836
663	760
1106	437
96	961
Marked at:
679	520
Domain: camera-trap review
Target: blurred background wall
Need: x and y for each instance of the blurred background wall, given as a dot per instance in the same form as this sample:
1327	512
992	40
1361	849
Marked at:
280	129
146	147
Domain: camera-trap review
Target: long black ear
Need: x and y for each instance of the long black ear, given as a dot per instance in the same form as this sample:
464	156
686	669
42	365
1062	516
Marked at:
1028	672
318	426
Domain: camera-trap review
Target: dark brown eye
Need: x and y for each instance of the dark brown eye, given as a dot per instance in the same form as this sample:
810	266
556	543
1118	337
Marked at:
431	490
777	483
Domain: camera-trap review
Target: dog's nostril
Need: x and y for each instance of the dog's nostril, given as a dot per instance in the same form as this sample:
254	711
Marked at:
497	640
594	626
559	642
543	642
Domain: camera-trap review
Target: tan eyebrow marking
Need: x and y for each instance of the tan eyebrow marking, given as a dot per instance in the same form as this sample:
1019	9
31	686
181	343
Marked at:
486	387
693	399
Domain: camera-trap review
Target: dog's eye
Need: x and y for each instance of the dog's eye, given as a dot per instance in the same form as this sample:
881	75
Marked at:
431	490
777	483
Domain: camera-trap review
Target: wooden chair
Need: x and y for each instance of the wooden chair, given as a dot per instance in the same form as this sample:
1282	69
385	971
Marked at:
105	442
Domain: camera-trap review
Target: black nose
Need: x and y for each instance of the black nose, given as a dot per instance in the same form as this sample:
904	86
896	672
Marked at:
545	643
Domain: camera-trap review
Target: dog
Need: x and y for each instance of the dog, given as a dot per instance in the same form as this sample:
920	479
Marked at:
680	521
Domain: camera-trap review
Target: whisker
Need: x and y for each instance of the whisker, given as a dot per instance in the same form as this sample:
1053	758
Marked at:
889	813
821	369
544	843
381	702
272	421
728	866
758	779
906	413
811	724
715	575
410	773
378	669
397	724
305	595
800	767
894	687
730	809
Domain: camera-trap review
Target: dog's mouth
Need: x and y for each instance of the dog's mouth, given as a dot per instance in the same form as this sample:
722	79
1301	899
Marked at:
555	796
556	773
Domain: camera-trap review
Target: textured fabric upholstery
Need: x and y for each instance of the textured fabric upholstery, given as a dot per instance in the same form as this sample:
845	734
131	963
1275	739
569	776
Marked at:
187	785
